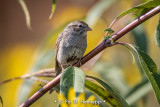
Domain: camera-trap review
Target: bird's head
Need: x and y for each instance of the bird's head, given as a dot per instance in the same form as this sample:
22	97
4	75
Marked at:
78	27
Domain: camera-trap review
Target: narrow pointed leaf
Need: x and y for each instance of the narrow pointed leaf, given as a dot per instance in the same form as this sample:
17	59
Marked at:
150	69
111	96
53	8
108	30
26	13
139	10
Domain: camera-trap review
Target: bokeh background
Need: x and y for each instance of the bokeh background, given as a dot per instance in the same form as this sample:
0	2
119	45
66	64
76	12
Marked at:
25	51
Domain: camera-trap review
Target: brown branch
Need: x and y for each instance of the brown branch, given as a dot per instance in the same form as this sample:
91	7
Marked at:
94	52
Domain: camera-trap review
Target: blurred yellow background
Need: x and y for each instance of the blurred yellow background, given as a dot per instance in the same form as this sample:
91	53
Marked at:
21	48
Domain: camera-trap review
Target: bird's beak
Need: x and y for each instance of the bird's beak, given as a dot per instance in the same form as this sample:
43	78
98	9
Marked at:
88	29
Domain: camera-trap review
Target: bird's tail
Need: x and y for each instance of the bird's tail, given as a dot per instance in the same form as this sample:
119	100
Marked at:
58	68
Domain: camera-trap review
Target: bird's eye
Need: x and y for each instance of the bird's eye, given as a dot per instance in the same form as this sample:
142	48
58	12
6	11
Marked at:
80	26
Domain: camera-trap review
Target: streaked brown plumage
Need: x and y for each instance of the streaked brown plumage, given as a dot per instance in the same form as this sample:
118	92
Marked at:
71	45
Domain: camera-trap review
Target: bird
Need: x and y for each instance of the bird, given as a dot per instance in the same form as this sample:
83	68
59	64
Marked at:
71	45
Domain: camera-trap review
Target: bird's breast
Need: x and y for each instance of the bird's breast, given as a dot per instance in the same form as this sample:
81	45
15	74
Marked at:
71	49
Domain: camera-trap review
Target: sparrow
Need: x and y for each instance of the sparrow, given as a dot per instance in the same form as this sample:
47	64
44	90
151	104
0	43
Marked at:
71	45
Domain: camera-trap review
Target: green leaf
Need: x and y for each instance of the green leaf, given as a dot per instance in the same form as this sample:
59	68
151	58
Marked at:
106	94
138	92
97	10
150	69
26	13
141	41
140	9
72	77
157	34
1	101
66	81
122	102
147	62
108	30
143	1
79	80
107	37
53	8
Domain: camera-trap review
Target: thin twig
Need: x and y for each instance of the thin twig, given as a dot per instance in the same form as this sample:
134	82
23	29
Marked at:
94	52
42	73
45	75
40	80
110	26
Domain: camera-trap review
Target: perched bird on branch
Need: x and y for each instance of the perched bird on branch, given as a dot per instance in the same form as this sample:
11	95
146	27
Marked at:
71	45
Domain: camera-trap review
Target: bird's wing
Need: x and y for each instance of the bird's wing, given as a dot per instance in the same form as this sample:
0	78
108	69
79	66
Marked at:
58	67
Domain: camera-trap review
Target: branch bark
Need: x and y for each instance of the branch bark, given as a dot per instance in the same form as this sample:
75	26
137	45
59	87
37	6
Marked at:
94	52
